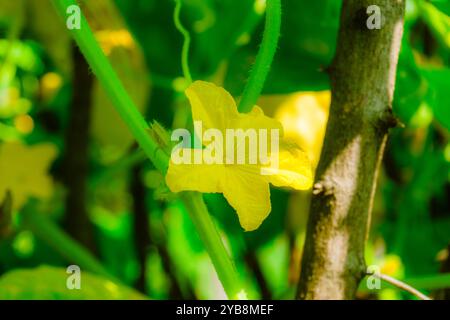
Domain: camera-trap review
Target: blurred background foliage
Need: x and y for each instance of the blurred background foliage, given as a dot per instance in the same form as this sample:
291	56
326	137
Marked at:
82	193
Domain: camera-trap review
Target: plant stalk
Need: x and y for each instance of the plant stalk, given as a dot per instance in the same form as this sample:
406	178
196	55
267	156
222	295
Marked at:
140	129
264	58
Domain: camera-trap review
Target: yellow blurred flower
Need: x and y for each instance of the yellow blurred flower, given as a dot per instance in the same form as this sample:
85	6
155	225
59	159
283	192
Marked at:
392	266
243	185
24	123
304	117
51	82
23	170
110	39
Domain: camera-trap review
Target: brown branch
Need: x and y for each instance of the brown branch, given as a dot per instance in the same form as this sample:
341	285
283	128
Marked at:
362	79
144	239
141	226
76	159
401	285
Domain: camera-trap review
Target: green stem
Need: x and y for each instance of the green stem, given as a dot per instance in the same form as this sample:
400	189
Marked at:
264	58
67	247
113	87
62	243
210	237
186	43
140	130
437	21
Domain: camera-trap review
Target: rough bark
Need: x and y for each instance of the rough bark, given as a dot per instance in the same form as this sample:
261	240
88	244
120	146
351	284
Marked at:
362	79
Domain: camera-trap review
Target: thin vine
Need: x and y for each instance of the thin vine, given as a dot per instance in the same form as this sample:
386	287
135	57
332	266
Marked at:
186	44
140	129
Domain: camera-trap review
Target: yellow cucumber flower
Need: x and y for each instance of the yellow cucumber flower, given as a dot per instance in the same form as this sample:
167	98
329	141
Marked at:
24	171
243	185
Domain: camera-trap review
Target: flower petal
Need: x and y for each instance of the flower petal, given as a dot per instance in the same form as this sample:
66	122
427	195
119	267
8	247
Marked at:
256	119
194	177
41	184
249	195
211	104
254	124
24	171
294	169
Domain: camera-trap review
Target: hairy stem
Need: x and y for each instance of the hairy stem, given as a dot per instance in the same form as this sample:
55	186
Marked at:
210	237
105	73
264	58
140	130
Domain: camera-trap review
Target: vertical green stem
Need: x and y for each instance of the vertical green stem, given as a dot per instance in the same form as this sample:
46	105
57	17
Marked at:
140	130
264	58
113	86
210	237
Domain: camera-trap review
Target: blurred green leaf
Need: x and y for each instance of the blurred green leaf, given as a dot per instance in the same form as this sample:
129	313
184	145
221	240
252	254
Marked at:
270	228
439	98
306	48
50	283
438	22
411	87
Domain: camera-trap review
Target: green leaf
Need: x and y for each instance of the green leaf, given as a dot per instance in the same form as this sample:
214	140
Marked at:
217	28
411	87
438	98
438	22
271	227
306	47
216	32
48	282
